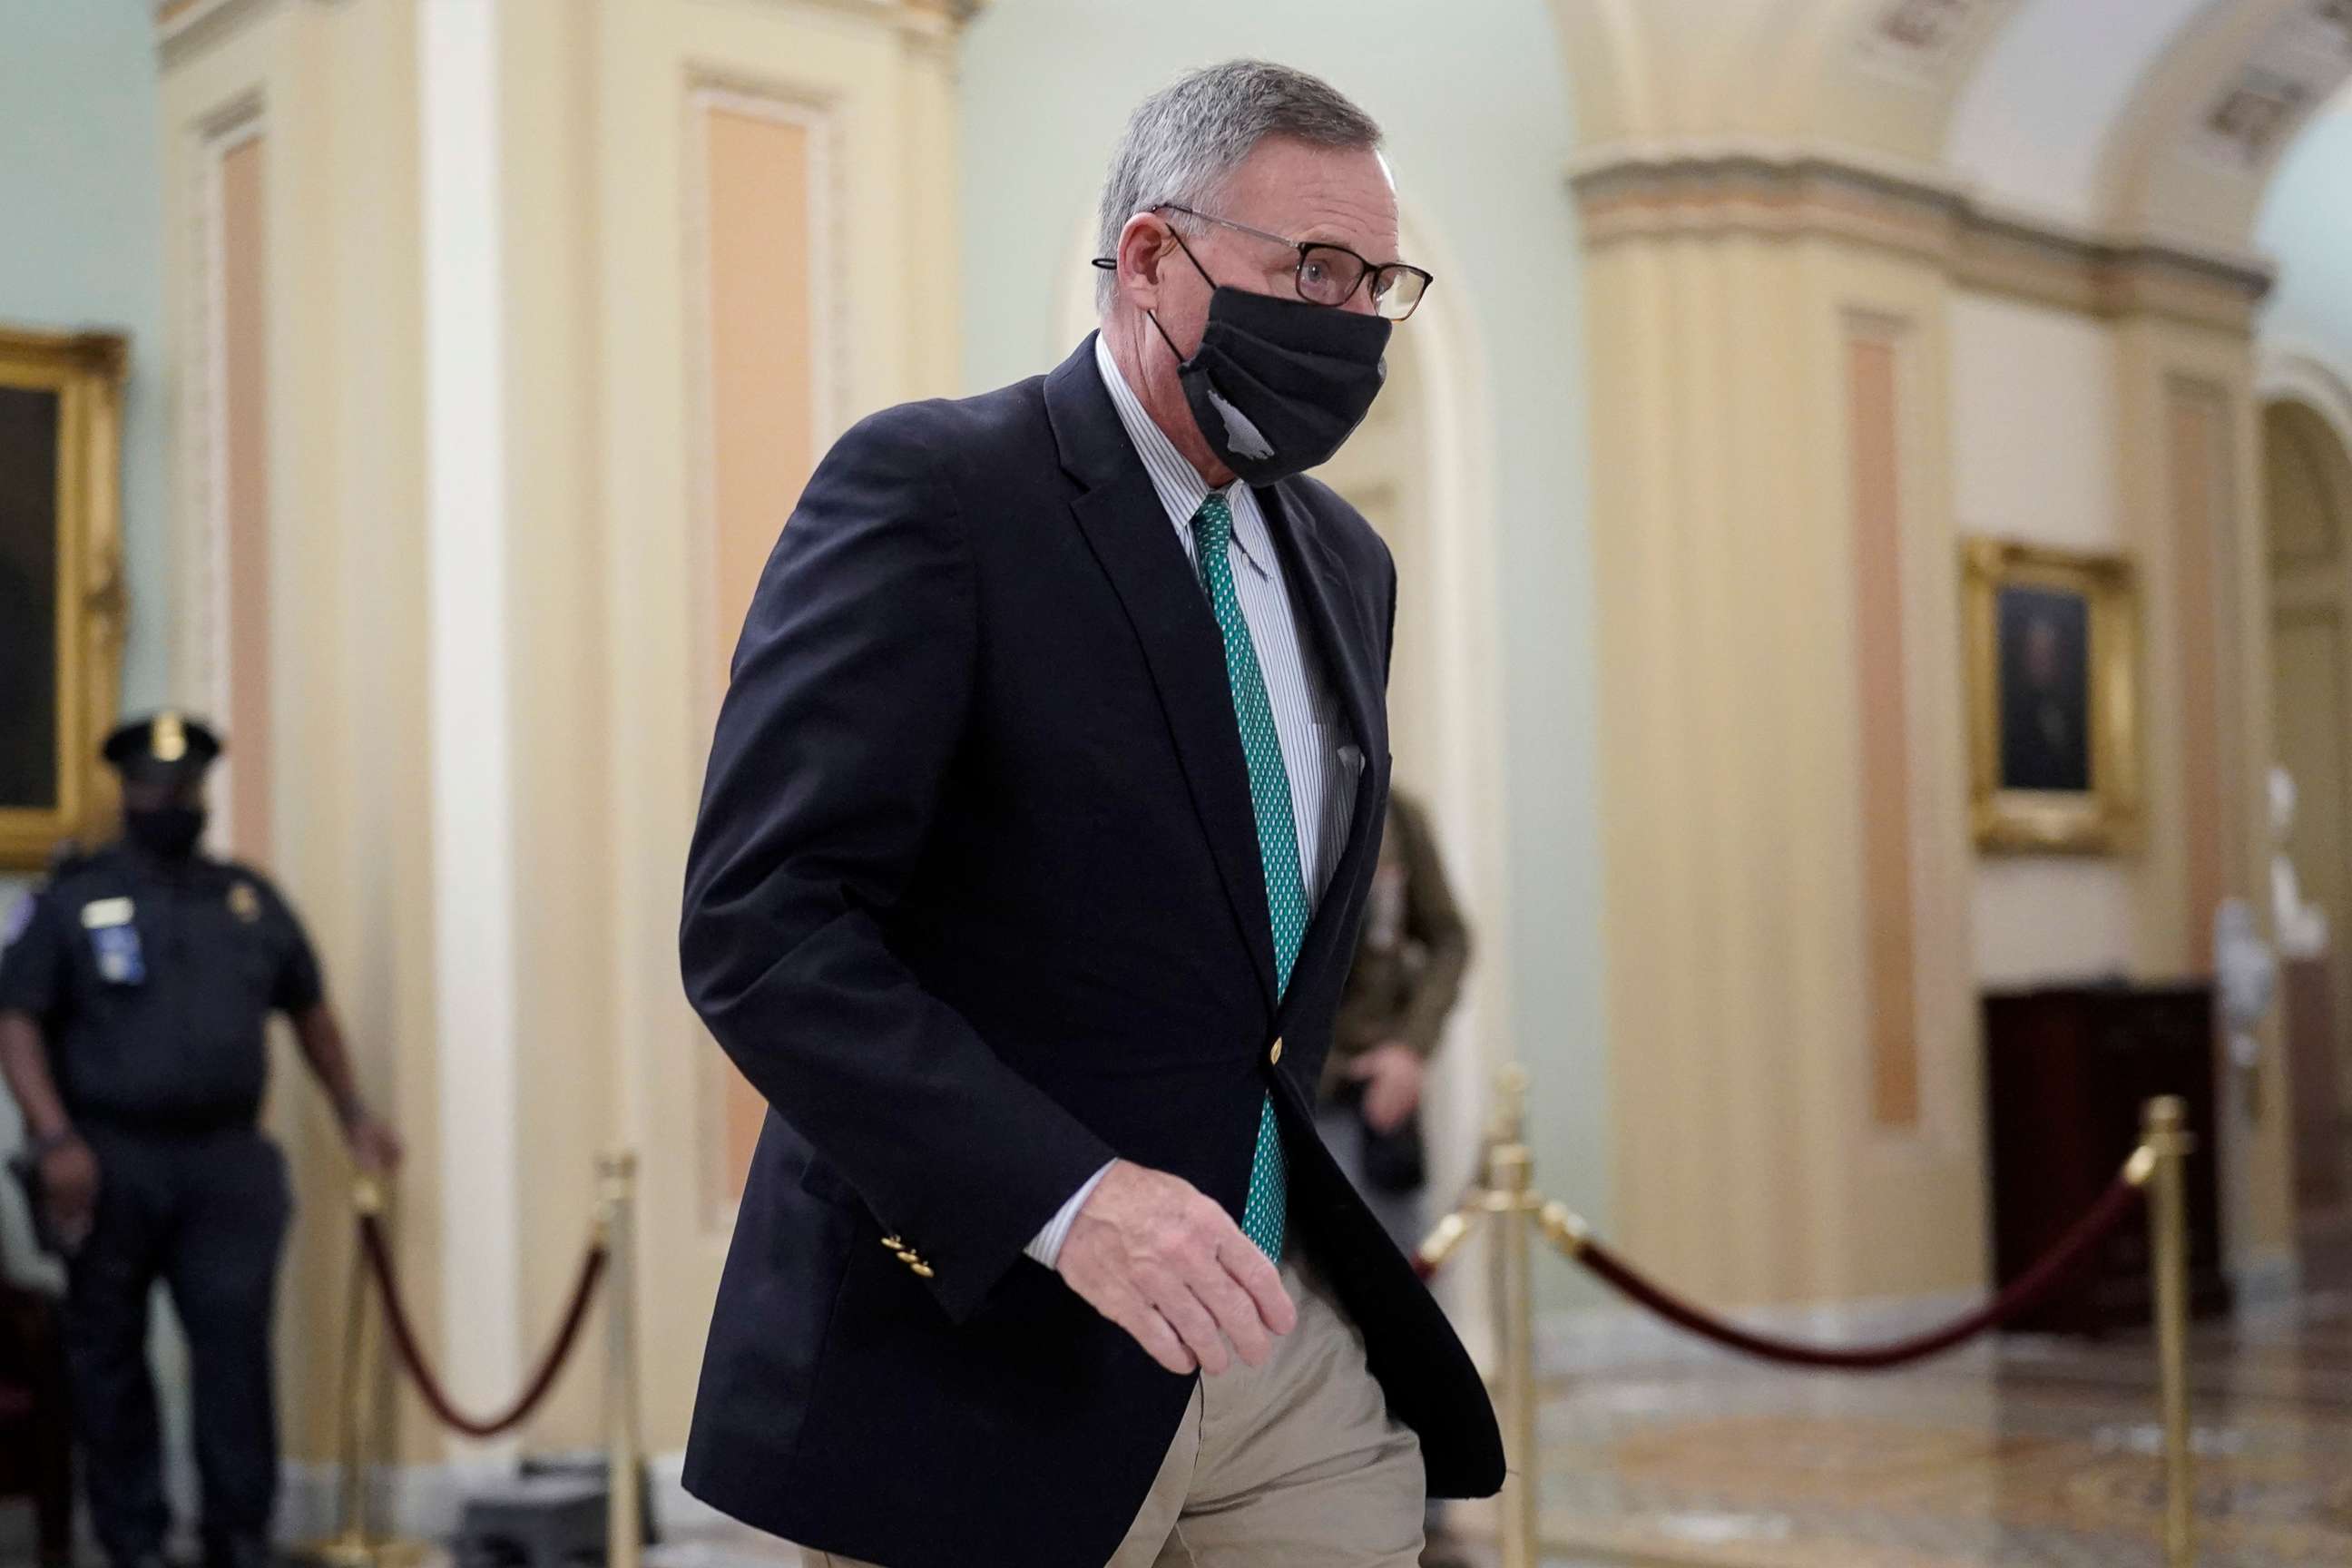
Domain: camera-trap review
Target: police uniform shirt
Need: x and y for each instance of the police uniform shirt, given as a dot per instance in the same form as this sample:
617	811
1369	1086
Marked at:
153	984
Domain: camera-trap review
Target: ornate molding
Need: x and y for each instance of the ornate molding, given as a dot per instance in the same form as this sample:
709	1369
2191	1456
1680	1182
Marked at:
1928	43
2293	68
1625	193
957	13
184	27
940	19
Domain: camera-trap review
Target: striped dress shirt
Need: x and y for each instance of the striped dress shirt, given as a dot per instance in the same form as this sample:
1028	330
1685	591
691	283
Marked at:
1322	759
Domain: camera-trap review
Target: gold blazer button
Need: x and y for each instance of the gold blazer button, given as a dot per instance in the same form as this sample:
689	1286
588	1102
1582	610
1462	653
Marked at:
1275	1055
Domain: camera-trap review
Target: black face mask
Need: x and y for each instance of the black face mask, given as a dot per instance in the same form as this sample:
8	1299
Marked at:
1277	385
168	833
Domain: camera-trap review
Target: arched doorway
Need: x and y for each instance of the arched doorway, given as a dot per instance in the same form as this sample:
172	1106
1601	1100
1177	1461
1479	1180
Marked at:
2306	475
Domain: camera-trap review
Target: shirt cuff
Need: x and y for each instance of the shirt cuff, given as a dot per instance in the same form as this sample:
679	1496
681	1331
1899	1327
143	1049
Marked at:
1045	1246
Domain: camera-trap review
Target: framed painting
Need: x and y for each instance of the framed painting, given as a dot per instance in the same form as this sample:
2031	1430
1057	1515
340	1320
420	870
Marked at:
2052	648
61	600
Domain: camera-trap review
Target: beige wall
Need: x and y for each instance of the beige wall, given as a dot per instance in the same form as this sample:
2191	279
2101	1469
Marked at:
656	389
2127	434
1758	1025
329	367
2035	458
1822	380
2190	489
873	91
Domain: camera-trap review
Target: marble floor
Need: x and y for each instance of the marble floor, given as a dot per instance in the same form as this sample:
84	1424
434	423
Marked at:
2036	1453
2028	1452
2031	1454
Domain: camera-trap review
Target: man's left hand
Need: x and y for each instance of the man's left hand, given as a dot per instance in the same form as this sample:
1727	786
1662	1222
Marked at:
374	1146
1391	1075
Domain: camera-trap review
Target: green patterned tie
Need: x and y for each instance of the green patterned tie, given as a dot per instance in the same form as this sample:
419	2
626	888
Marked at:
1277	837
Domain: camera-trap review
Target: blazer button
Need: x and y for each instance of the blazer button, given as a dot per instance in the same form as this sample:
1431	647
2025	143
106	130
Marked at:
1275	1055
922	1271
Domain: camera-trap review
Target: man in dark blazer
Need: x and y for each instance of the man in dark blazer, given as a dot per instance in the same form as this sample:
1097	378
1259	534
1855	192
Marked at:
1036	834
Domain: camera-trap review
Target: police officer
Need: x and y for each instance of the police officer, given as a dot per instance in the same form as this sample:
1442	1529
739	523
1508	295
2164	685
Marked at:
134	998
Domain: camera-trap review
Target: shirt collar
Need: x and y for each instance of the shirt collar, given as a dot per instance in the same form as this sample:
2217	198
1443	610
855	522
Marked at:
1178	483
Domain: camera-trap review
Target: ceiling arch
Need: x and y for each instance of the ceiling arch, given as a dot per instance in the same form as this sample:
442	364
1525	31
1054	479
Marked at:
1875	77
2191	156
2029	127
2161	119
2155	119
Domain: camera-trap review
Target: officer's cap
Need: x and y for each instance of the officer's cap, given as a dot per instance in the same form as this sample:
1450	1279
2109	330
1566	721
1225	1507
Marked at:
160	746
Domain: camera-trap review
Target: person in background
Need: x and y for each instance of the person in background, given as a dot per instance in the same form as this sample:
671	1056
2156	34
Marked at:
1409	960
135	987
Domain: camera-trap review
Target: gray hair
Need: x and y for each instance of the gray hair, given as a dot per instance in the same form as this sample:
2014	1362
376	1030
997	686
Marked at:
1186	140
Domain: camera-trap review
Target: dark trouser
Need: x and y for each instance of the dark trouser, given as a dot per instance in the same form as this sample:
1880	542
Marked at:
1399	1213
206	1213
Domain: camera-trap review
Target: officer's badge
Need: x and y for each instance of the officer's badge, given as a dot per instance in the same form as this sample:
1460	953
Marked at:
171	738
20	915
244	904
121	961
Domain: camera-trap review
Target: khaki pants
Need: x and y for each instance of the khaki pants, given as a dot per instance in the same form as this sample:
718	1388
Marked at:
1294	1464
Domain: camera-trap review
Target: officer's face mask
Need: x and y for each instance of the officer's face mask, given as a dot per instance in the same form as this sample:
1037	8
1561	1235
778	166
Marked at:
1277	385
166	832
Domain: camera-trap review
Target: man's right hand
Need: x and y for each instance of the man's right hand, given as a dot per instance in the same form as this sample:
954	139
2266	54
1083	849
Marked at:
1154	1255
69	1188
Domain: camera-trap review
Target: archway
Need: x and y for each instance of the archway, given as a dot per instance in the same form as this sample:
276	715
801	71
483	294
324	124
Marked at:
2306	467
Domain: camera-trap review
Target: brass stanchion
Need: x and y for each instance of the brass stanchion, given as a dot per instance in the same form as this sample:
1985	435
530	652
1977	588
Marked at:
623	1522
1510	1167
2168	1140
353	1546
1504	1190
1451	1233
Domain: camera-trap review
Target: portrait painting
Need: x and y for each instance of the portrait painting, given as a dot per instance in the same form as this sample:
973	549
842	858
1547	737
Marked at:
2045	690
2051	660
60	609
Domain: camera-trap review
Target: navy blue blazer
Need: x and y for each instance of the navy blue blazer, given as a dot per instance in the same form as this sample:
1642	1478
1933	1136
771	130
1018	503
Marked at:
975	902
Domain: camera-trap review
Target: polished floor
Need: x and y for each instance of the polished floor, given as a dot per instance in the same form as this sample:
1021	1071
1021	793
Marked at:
2037	1453
2028	1454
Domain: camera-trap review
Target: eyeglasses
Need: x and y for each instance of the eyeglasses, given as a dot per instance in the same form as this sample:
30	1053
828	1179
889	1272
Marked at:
1330	274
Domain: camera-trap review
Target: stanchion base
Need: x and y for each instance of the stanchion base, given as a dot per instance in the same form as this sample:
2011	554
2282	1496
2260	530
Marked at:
345	1552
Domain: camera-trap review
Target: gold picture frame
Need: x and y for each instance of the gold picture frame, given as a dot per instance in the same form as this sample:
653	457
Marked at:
61	596
2054	701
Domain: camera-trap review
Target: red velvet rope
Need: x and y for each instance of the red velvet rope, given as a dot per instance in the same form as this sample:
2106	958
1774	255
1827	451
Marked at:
2027	1291
412	1353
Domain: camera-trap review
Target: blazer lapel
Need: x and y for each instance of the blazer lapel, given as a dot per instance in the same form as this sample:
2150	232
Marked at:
1128	530
1320	600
